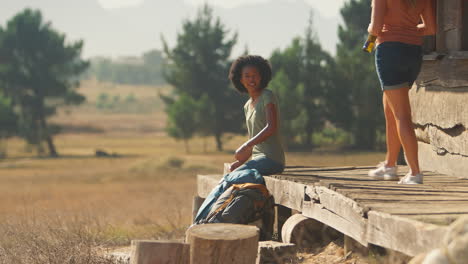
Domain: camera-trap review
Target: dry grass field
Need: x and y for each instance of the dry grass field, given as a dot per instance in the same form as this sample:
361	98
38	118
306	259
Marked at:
62	210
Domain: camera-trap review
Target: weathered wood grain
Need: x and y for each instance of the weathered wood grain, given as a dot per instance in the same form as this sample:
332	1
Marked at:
401	234
286	193
340	223
223	243
371	211
159	252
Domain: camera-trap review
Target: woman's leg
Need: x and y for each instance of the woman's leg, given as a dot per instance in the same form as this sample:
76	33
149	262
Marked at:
398	100
393	141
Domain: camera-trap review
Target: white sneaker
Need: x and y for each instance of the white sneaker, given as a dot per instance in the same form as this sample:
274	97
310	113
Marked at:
382	172
410	179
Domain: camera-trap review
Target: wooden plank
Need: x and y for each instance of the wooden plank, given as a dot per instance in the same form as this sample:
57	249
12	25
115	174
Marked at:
401	234
438	219
408	208
286	193
355	230
206	183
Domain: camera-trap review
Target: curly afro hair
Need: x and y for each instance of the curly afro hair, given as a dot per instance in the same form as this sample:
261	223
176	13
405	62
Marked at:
262	65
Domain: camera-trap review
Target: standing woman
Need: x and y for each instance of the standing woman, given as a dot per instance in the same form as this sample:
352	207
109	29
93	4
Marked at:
400	26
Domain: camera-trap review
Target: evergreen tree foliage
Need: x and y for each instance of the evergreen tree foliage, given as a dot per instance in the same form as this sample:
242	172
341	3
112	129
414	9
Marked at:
302	76
39	72
198	66
356	77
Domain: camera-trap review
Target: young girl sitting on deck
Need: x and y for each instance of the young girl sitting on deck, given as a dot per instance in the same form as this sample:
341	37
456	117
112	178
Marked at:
251	74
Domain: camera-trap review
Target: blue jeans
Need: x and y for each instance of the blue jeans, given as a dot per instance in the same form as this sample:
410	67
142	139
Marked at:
264	165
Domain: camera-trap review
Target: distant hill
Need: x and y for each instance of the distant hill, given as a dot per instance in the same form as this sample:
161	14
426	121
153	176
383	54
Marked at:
134	30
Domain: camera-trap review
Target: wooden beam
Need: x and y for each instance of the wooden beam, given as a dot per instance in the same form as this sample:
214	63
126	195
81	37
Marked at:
401	234
341	223
286	193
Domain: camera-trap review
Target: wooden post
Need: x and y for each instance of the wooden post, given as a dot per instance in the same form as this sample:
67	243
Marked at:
282	214
197	202
223	243
159	252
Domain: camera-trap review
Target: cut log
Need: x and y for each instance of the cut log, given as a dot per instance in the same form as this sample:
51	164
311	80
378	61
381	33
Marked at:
223	243
159	252
302	231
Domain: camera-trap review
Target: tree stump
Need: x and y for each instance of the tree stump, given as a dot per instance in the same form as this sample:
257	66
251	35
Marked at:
159	252
223	243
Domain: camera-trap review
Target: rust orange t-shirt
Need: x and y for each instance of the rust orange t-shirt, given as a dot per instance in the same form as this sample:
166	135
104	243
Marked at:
398	20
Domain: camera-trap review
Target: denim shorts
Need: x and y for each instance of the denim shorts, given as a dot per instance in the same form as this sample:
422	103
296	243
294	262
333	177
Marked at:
398	64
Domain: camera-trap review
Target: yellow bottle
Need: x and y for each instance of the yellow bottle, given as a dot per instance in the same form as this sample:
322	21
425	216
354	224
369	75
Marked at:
370	43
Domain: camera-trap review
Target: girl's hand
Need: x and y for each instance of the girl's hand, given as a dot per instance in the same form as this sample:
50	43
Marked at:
236	164
243	153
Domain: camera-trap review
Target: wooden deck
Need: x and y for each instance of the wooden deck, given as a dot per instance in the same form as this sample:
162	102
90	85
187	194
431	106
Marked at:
411	219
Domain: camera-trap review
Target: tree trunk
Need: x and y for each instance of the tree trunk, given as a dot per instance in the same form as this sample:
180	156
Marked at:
48	137
204	144
3	145
223	243
219	144
187	149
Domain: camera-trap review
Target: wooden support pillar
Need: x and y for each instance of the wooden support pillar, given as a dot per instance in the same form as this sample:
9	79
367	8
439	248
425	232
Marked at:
223	243
282	214
159	252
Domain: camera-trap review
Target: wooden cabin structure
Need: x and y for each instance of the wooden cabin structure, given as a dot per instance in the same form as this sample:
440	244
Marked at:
439	99
411	219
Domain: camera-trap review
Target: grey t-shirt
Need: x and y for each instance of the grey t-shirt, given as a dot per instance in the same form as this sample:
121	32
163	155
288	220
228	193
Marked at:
256	120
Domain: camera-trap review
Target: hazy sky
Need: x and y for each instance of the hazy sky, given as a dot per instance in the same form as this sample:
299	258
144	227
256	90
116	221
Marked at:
326	8
130	27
